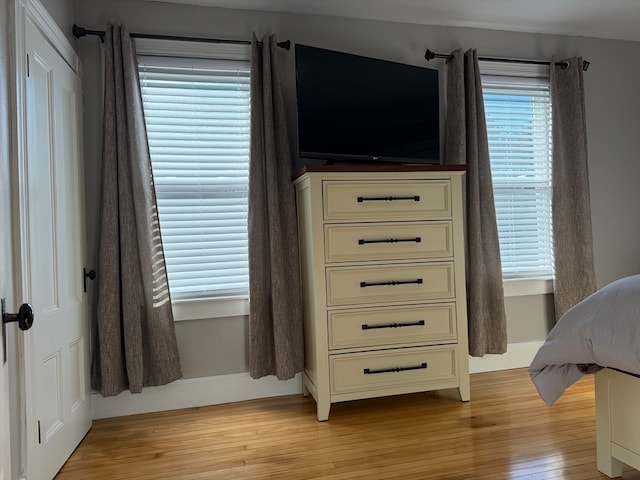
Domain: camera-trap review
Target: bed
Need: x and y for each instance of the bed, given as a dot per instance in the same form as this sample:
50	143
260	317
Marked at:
600	335
617	421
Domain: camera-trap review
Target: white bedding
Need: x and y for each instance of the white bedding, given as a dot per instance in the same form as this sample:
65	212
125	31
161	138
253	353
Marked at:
601	331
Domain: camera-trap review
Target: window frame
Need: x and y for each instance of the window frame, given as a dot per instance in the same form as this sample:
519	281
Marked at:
534	285
200	308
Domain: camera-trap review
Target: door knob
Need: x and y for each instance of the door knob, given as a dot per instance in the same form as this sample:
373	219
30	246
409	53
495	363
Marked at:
24	317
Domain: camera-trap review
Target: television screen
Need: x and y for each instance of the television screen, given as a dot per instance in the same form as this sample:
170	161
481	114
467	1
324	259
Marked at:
357	108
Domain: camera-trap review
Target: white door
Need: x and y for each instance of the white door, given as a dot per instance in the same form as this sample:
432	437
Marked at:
52	246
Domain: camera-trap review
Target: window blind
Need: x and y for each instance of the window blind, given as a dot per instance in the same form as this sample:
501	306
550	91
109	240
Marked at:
519	130
198	123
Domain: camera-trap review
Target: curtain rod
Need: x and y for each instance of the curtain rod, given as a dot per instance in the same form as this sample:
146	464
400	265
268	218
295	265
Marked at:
80	32
429	55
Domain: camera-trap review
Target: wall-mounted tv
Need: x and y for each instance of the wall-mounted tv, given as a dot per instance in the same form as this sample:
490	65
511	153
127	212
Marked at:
356	108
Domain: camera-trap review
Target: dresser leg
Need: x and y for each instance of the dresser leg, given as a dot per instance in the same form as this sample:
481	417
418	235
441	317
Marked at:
323	410
465	391
305	390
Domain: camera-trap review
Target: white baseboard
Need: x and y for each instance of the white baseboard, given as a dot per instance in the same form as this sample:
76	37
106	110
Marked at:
199	392
194	392
518	355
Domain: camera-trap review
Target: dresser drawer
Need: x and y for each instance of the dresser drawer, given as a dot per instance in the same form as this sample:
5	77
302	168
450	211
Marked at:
387	241
385	200
389	283
391	369
374	327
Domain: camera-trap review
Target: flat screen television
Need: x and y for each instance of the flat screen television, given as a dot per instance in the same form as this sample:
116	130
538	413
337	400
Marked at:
355	108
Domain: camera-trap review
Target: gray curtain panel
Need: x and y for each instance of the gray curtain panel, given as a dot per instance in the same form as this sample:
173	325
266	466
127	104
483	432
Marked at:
276	344
134	338
466	144
571	207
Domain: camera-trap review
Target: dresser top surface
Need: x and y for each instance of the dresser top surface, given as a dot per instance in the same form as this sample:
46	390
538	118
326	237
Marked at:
350	168
378	171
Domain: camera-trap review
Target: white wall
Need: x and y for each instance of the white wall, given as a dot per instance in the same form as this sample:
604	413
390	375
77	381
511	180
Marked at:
64	12
612	102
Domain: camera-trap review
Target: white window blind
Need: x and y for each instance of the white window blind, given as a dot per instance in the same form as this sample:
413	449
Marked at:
198	122
518	113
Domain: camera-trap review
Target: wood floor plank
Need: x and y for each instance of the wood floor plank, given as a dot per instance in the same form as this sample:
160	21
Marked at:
505	432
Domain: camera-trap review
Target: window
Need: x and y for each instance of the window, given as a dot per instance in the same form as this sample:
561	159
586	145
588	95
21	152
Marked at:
518	113
197	113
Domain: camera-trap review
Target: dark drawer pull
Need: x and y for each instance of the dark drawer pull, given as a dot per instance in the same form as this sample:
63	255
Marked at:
391	240
419	323
415	198
390	283
422	366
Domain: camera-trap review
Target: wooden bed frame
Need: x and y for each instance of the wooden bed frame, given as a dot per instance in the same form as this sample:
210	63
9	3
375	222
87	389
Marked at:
617	421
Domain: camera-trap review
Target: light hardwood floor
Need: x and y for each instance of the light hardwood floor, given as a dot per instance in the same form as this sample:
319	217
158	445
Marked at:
505	432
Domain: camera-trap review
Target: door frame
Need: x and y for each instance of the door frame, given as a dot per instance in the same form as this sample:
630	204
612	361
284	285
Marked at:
23	427
6	260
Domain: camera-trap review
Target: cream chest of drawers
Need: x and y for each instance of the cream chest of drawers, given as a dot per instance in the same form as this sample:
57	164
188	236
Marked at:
382	258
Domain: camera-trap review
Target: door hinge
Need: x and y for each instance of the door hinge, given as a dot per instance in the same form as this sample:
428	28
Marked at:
28	69
39	435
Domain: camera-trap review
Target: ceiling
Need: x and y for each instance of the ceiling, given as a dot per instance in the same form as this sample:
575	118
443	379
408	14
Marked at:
615	19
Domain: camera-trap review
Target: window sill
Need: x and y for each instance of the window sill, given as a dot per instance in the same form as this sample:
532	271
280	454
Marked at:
184	310
520	287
